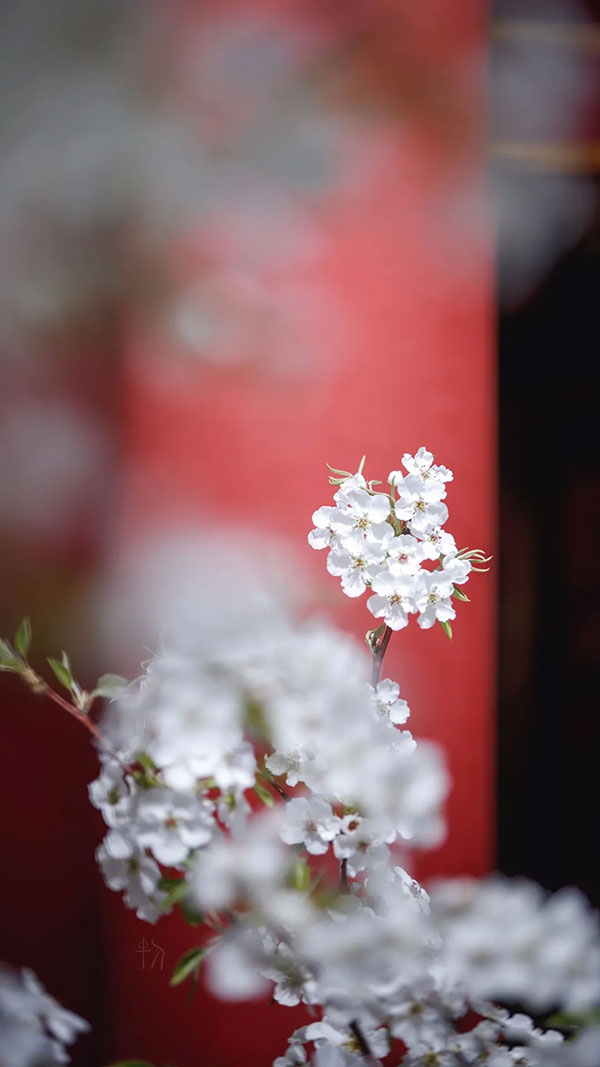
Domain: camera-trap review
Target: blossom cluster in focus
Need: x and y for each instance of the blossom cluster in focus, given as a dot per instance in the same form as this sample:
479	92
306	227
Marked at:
394	543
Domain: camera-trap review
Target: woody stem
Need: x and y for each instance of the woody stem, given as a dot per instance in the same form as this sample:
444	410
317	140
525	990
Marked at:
378	654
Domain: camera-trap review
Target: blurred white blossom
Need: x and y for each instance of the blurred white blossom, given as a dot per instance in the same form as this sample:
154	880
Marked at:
34	1028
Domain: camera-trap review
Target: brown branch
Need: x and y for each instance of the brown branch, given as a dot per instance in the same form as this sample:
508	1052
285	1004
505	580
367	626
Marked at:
270	780
378	654
72	710
43	689
363	1044
279	789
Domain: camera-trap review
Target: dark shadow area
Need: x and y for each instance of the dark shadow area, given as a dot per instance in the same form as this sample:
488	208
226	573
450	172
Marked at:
549	721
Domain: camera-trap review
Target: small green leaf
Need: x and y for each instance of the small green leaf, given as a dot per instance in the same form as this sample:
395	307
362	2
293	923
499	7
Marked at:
446	627
193	987
23	637
187	965
300	874
191	916
62	672
176	891
205	783
263	794
131	1063
145	761
166	883
14	666
372	637
108	685
458	593
8	660
255	721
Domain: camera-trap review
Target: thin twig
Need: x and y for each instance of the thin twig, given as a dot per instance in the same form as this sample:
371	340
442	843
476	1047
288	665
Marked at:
72	710
279	789
45	690
276	786
363	1044
378	654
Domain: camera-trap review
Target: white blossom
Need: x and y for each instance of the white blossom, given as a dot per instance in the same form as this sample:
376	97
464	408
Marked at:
172	824
138	875
364	517
112	793
330	523
404	555
310	821
356	566
362	844
433	598
506	939
421	465
437	542
34	1028
244	869
393	598
388	702
420	513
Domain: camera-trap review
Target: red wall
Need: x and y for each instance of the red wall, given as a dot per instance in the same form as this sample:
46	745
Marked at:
407	259
401	354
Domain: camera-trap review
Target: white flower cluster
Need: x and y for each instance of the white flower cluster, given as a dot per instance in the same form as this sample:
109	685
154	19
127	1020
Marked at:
333	733
254	707
507	940
377	965
34	1028
184	757
389	542
343	955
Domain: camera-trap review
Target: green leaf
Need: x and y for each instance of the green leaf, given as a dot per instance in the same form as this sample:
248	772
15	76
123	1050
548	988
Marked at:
23	637
263	794
176	892
446	627
458	593
255	720
300	874
62	672
372	636
8	660
108	685
165	883
567	1020
15	666
131	1063
193	987
191	916
145	761
187	965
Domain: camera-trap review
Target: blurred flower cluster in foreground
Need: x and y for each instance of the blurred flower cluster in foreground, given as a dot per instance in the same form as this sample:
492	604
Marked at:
258	778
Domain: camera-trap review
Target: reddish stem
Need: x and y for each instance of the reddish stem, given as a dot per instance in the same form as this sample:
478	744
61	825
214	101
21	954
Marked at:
363	1044
85	720
378	655
75	712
